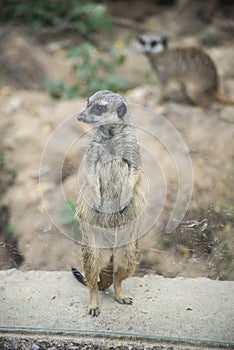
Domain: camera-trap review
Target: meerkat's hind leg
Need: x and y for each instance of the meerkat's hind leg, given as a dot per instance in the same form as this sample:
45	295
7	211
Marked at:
200	100
162	95
184	92
92	266
124	266
120	275
196	96
93	301
162	91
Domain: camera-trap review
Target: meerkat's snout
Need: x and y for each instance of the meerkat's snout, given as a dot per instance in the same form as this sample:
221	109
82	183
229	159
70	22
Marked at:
80	117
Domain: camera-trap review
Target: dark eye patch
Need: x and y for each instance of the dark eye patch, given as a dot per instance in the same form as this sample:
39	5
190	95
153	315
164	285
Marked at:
142	41
98	109
165	41
154	43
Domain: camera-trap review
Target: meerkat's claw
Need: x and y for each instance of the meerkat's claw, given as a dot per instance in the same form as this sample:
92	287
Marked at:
94	312
122	209
97	208
126	301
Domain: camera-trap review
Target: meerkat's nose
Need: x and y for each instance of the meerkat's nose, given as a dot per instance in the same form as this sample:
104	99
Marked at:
147	50
80	116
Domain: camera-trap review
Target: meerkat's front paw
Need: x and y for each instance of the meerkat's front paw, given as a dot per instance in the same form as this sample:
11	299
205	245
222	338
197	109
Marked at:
97	202
97	208
122	208
124	203
94	311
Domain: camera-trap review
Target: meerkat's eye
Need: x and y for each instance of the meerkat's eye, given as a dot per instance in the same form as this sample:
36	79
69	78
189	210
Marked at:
165	42
141	41
88	104
154	43
99	109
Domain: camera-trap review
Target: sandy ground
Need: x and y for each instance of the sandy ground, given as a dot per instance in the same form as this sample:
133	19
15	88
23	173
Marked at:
191	309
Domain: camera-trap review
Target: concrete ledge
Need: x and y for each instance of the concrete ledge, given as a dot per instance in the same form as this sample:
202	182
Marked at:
198	311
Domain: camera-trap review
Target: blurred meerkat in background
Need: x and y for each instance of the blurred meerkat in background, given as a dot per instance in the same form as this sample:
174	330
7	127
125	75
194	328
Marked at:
190	66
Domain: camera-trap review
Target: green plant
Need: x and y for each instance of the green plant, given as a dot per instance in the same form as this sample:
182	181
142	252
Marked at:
67	212
92	72
56	89
2	158
226	253
44	15
10	230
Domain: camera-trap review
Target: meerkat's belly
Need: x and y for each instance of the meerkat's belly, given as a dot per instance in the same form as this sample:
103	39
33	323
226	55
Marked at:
112	175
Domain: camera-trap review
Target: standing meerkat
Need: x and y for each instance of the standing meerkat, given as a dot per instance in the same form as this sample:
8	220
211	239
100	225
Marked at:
190	66
111	198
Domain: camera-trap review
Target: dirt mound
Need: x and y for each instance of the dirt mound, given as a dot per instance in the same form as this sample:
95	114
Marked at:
25	62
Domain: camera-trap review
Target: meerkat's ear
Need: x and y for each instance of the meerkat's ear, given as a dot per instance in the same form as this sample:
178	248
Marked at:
121	110
165	41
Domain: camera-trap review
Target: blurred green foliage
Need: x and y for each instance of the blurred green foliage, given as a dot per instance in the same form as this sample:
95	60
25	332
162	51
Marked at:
45	14
2	158
67	212
91	72
10	230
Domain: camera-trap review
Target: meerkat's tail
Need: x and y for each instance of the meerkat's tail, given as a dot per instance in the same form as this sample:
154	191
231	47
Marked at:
78	276
224	99
105	277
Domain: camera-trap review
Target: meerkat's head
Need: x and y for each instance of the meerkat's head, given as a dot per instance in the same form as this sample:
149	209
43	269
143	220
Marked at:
105	107
152	43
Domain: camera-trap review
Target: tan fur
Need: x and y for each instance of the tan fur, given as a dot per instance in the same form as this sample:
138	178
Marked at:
110	202
224	99
189	66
